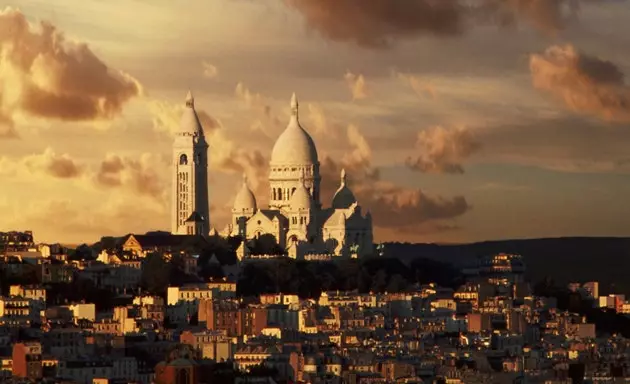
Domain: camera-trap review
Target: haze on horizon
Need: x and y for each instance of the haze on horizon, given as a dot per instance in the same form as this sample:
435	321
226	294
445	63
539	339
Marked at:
500	119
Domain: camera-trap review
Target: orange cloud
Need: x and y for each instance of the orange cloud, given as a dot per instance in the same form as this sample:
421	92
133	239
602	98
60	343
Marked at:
7	128
44	75
357	85
259	104
209	71
443	150
422	88
112	216
376	23
392	206
167	117
585	84
548	16
139	175
47	163
322	125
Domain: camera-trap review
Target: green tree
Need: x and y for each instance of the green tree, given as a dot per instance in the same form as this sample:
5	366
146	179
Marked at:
155	274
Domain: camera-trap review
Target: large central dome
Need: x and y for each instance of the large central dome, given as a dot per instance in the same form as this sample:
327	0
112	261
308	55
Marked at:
295	145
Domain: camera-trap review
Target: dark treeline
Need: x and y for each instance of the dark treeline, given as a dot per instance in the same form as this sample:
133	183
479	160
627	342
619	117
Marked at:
309	279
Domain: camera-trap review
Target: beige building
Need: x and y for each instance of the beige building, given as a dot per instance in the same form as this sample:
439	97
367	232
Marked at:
295	218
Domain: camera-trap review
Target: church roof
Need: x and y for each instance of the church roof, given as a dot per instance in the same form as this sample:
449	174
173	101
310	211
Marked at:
301	198
190	123
344	197
271	213
245	199
294	146
167	240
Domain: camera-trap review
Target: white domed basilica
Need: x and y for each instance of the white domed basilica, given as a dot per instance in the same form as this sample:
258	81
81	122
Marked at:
295	218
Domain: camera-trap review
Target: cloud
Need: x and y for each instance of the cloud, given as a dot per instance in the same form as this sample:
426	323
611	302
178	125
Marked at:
138	175
585	84
392	206
44	75
258	103
7	128
322	125
357	85
209	71
376	23
503	187
422	88
443	150
548	16
167	117
112	216
228	157
47	163
379	23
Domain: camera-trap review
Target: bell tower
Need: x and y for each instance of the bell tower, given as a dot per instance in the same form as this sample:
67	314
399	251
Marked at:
190	206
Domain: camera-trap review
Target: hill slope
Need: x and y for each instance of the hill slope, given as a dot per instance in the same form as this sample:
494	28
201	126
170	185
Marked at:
579	259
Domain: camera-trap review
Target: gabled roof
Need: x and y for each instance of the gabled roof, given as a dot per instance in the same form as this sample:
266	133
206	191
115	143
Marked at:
167	240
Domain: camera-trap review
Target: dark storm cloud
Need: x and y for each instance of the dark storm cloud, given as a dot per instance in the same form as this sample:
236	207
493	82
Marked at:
379	23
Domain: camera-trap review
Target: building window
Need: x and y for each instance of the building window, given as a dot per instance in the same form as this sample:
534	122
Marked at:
183	160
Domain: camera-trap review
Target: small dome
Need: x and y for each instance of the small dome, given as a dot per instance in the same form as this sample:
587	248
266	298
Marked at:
301	199
190	123
295	145
245	199
344	197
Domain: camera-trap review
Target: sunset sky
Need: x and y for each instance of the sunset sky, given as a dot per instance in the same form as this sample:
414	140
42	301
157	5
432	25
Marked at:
463	121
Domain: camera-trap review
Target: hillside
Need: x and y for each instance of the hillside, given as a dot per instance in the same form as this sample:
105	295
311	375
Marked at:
606	260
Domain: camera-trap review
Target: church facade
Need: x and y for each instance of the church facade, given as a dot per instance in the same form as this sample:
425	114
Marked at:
295	218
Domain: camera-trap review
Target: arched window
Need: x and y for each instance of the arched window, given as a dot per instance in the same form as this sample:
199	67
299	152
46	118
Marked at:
279	194
183	377
293	191
183	160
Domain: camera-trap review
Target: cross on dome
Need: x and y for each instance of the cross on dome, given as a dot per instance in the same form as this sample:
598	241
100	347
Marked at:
294	105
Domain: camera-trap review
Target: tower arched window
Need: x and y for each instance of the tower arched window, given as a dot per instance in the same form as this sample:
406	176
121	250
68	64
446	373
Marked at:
183	160
279	194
